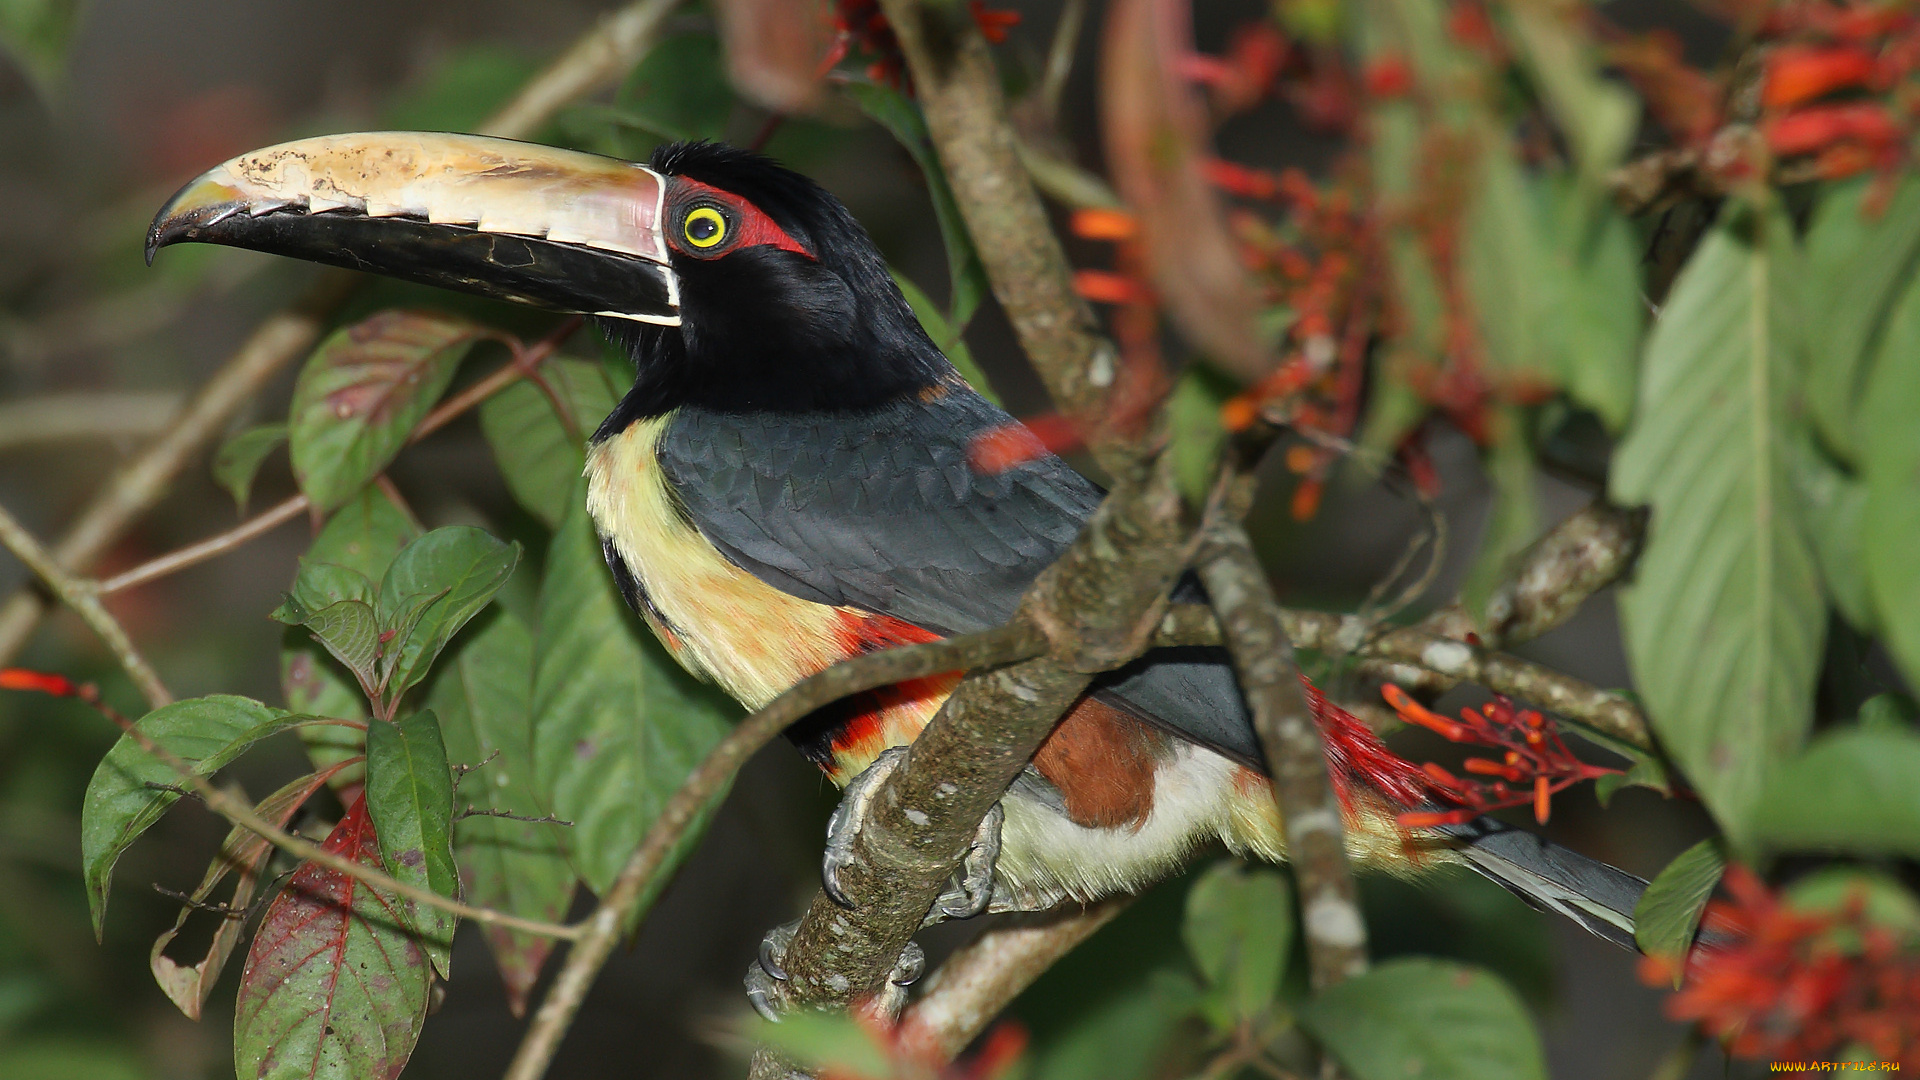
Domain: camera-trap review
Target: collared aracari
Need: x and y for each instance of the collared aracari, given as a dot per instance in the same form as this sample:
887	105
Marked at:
788	484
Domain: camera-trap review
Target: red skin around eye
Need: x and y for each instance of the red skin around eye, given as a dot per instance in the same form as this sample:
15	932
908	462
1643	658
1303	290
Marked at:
751	227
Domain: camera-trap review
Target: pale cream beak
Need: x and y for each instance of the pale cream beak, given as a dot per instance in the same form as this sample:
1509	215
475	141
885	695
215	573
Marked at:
515	221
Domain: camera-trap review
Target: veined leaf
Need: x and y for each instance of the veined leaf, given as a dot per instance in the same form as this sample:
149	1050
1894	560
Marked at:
245	852
538	456
347	629
617	725
410	797
1889	535
482	693
364	535
1858	265
967	279
335	987
131	788
239	458
1853	791
1426	1019
1238	929
362	392
460	567
1724	619
1668	913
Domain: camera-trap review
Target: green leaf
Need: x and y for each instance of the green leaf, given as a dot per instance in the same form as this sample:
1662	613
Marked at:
1888	712
131	788
38	35
244	851
239	458
348	629
1513	522
1238	929
460	567
1120	1035
617	725
1597	250
1598	115
1646	772
1853	791
482	693
680	91
1669	911
538	456
833	1042
1858	264
897	113
335	987
410	795
364	535
1724	620
1834	889
950	340
1417	1019
1890	470
1836	506
1193	417
360	395
320	584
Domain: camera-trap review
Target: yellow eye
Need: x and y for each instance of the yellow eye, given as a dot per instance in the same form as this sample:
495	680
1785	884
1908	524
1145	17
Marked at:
705	227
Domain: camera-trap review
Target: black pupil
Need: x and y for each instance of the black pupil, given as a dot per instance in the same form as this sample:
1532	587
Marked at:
703	227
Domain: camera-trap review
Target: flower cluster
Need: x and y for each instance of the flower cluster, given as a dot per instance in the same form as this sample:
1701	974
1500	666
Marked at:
1840	87
862	28
1786	983
1534	765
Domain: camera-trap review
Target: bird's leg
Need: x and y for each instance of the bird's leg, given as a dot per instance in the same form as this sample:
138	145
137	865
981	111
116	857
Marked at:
970	889
766	974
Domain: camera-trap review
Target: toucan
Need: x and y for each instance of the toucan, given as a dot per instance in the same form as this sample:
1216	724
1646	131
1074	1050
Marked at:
788	484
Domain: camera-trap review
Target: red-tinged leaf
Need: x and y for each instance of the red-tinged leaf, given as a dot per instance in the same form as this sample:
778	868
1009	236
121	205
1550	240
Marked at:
1156	136
334	988
246	852
363	391
777	50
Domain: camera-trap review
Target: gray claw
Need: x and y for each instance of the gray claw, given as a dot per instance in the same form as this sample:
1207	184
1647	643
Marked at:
846	818
892	998
971	889
769	971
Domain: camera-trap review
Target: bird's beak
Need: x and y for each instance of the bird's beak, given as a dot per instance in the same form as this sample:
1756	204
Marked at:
514	221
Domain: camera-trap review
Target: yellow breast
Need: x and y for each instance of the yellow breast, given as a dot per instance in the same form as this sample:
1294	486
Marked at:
723	623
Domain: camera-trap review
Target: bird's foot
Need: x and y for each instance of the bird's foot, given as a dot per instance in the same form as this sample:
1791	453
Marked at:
847	818
970	889
767	976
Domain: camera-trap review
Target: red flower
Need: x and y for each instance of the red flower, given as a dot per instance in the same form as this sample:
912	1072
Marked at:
1797	73
1786	983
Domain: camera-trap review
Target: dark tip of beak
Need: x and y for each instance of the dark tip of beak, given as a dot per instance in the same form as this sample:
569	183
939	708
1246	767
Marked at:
153	241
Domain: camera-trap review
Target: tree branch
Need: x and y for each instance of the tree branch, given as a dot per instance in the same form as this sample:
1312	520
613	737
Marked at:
979	981
1336	933
77	596
599	59
1013	642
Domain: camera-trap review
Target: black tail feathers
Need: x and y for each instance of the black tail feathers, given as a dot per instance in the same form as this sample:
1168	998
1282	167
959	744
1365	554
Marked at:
1552	878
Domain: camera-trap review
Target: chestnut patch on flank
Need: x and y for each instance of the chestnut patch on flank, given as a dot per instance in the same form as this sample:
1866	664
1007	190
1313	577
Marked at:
1102	760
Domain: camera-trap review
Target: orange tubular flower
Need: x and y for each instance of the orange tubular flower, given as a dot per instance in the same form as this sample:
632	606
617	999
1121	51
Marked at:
1800	73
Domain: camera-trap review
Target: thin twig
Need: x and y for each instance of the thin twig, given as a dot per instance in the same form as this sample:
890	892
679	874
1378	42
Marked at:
81	599
57	417
193	554
1005	644
979	981
236	811
476	811
599	59
526	361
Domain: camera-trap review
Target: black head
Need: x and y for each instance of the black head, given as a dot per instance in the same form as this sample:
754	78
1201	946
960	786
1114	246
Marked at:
785	304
